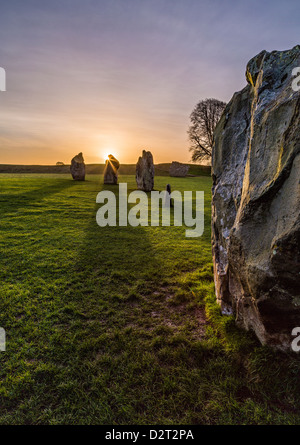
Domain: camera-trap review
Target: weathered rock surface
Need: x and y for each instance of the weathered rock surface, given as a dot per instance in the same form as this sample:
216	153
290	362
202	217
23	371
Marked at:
78	168
256	201
178	169
111	170
145	172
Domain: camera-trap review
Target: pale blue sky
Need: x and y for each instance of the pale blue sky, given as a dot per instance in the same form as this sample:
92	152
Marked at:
122	75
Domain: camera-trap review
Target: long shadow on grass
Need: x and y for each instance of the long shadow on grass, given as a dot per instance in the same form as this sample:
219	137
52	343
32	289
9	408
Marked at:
13	202
122	258
136	372
85	347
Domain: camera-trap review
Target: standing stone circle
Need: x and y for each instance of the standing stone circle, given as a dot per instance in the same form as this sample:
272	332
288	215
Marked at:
111	170
145	172
77	168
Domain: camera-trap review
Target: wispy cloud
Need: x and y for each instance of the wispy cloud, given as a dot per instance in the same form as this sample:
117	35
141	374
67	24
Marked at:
82	75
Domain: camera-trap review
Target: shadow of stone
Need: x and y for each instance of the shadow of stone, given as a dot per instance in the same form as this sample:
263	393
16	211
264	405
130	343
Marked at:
125	253
14	202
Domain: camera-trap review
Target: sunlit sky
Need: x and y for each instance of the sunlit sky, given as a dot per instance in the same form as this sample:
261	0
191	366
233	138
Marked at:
119	76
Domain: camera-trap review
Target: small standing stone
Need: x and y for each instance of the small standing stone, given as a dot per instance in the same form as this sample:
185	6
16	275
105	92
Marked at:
168	202
145	172
111	170
78	168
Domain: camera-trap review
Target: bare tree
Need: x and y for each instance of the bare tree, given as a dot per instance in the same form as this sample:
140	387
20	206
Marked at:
204	119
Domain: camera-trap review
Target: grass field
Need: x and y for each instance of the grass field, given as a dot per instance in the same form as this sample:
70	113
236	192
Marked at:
119	325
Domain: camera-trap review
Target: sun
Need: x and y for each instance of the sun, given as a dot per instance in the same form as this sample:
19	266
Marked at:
106	152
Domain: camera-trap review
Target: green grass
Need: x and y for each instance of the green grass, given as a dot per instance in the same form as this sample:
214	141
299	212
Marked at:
119	325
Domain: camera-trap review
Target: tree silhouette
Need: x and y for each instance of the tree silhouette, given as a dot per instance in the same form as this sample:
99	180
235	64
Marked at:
204	119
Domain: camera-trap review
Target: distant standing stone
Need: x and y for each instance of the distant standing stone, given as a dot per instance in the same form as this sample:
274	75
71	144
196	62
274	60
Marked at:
145	172
111	170
178	169
78	168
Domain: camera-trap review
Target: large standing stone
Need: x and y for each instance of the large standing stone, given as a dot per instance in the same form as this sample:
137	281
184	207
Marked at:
145	172
111	170
78	168
178	169
256	201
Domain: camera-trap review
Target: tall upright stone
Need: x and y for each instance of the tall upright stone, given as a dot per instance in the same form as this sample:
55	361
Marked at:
145	172
77	168
256	201
111	170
